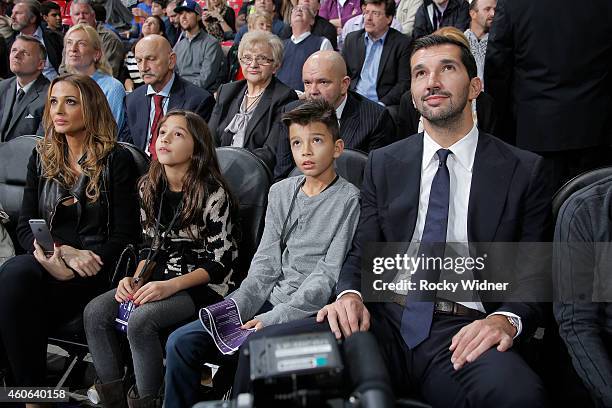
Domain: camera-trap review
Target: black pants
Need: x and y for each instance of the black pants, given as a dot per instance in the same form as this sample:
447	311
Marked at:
32	303
495	379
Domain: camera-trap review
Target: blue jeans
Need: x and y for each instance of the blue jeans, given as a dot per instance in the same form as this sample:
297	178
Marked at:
187	349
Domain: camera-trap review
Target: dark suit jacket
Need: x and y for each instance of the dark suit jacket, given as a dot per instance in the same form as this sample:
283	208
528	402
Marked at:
321	27
408	117
183	95
364	126
509	202
394	69
54	44
268	111
457	14
553	85
27	118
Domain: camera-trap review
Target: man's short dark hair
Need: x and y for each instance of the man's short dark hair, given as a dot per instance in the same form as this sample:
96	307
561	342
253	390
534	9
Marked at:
389	5
46	7
474	5
41	48
432	40
311	111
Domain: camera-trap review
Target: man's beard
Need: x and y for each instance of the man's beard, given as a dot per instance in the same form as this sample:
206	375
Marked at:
17	26
446	117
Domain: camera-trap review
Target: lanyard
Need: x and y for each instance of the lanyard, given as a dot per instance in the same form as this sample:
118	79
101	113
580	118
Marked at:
156	236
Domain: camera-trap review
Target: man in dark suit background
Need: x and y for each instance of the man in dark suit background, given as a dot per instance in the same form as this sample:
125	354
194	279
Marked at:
549	73
450	184
23	97
435	14
364	125
26	19
164	91
378	56
321	26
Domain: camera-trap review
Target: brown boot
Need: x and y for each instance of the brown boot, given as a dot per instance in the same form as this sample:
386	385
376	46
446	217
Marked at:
112	395
135	401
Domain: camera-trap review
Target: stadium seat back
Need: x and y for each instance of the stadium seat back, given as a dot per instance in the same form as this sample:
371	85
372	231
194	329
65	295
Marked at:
14	157
350	165
249	180
580	181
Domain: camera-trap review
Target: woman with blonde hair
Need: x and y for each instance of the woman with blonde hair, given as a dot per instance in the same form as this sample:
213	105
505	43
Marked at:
246	110
84	55
83	185
219	20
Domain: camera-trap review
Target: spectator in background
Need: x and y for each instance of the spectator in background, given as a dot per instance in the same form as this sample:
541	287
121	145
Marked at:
435	14
299	47
246	110
26	19
82	12
131	76
199	57
286	8
406	13
552	85
364	125
219	20
5	21
270	7
258	20
481	14
164	91
321	26
84	56
356	23
23	97
52	15
378	57
158	8
339	12
173	28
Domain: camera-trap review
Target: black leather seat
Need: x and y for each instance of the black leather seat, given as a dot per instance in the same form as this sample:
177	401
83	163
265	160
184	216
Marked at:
14	157
580	181
350	165
249	180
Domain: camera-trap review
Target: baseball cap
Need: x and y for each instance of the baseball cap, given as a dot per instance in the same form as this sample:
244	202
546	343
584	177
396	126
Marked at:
188	5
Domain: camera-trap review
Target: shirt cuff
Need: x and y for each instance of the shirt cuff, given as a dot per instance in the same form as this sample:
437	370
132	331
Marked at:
344	292
519	329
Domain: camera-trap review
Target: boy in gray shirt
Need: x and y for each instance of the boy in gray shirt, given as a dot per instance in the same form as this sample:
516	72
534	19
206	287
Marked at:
309	226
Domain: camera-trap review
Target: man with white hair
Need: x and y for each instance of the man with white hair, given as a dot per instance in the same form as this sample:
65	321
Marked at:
82	11
299	47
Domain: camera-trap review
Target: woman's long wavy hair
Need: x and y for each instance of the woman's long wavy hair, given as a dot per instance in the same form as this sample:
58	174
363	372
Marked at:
203	177
100	137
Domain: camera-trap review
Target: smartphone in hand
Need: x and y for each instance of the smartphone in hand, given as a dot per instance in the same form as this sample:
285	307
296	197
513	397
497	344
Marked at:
43	235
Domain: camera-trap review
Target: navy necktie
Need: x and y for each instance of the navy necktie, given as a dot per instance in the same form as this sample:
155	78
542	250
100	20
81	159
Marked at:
418	312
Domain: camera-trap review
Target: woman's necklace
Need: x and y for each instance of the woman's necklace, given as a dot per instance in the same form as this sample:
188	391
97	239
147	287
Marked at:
253	99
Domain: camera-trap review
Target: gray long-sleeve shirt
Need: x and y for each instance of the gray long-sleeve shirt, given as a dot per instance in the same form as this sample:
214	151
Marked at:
299	281
200	60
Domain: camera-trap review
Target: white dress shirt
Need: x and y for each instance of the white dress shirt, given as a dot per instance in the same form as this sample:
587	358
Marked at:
460	165
165	92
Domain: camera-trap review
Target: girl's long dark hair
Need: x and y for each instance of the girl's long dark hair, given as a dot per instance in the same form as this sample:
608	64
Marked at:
202	178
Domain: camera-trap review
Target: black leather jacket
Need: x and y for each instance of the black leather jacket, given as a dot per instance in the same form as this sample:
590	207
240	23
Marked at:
104	227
